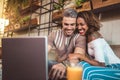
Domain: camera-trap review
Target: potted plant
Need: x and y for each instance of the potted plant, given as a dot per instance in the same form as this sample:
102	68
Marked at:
79	3
13	6
12	10
57	6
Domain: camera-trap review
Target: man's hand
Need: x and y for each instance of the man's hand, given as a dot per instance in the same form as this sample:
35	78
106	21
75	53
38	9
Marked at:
57	71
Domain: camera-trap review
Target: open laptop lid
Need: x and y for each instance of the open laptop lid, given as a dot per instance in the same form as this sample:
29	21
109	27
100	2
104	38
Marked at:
24	58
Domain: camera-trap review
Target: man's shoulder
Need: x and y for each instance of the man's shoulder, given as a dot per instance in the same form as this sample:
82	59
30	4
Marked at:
77	36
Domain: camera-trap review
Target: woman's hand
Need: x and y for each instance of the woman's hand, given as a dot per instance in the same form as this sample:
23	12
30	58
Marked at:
57	71
78	56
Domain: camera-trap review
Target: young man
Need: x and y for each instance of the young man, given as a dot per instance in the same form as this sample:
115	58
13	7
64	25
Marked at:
65	41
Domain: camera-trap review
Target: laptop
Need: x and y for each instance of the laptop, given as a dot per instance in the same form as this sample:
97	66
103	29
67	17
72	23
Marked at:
24	58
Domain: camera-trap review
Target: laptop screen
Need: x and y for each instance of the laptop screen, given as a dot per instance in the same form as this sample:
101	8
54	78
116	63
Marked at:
24	58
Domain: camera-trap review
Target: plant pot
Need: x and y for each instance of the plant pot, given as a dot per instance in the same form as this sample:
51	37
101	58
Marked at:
30	22
71	4
84	7
11	28
104	3
57	14
17	26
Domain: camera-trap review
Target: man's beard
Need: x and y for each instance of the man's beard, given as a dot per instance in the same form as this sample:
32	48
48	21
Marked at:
65	31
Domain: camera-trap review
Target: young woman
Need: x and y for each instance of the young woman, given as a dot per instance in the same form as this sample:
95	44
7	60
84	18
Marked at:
101	62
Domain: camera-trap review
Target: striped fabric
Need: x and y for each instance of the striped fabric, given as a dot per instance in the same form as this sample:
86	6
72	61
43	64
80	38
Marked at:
60	39
65	44
110	72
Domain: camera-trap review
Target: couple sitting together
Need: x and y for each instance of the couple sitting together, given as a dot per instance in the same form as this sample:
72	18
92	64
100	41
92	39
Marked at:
80	41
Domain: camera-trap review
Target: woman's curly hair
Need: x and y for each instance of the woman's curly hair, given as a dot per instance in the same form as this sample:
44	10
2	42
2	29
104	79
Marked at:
91	20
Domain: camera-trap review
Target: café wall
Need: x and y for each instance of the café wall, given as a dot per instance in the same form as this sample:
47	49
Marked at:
111	26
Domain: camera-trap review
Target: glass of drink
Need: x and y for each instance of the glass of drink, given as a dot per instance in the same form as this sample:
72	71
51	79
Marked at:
74	71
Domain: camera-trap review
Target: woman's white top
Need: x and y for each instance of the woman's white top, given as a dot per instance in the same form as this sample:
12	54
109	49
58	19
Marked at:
102	52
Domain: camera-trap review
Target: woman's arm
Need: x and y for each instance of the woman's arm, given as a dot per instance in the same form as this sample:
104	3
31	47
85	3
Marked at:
82	57
98	49
93	62
98	52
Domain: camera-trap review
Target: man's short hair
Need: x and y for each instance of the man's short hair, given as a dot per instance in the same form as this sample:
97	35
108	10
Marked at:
69	12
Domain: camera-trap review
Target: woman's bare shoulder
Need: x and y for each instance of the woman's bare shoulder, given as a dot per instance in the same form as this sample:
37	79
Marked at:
94	35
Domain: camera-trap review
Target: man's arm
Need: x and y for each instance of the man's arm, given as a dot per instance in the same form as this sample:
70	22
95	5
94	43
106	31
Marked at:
80	46
57	70
79	50
75	59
